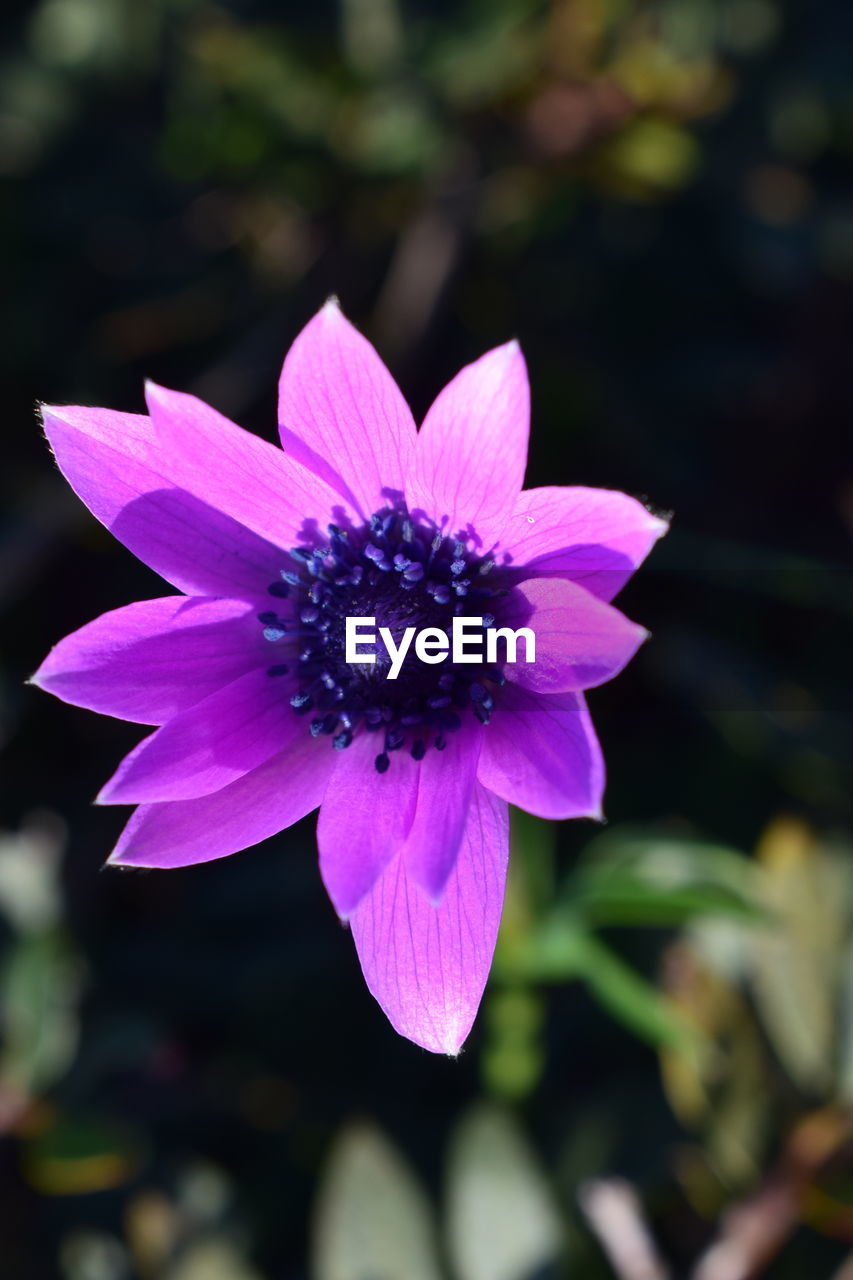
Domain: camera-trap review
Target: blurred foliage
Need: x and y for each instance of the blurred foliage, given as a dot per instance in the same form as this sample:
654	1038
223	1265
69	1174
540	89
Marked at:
374	1218
38	979
767	997
551	934
655	197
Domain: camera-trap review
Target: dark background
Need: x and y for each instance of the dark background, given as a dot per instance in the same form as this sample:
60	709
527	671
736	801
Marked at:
655	198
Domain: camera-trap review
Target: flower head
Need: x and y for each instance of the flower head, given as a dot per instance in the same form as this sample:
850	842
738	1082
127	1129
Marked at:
262	716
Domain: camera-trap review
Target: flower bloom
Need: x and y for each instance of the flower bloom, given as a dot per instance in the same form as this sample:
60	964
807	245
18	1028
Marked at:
259	717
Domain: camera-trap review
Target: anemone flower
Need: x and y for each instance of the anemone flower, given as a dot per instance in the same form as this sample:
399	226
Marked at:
259	716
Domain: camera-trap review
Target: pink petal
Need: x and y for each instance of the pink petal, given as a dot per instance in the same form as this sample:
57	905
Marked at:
540	753
339	406
596	537
210	745
235	470
580	640
364	820
427	965
256	806
205	504
472	447
446	783
150	660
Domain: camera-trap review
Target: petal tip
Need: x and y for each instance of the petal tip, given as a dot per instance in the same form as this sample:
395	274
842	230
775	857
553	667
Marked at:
432	881
156	394
343	908
510	352
345	899
64	412
447	1041
110	793
123	860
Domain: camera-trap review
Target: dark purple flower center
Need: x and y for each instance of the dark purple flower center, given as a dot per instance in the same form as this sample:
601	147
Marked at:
404	573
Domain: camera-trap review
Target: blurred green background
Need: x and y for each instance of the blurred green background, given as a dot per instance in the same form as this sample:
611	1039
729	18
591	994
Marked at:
655	197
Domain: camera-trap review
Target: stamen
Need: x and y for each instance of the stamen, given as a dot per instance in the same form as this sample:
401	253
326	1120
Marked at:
403	573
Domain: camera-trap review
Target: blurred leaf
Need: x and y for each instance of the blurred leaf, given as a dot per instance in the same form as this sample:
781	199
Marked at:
373	35
561	947
845	1028
529	894
624	879
628	900
530	879
373	1220
77	1156
212	1260
629	997
631	880
93	1255
389	132
502	1221
95	36
717	1083
30	894
37	1007
796	965
550	950
490	58
513	1054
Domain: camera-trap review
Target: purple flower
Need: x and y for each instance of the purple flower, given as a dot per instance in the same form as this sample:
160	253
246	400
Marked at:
261	719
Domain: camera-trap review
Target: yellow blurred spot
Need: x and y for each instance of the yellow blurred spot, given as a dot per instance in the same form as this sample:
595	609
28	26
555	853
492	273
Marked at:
59	1176
152	1228
785	845
656	77
651	156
